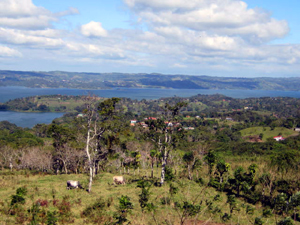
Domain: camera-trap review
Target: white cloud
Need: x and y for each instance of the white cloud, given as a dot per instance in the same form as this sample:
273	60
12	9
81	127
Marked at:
222	17
20	8
23	14
174	35
18	37
8	52
93	29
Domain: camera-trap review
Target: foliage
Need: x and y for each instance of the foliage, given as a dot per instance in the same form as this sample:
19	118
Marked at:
19	197
211	159
286	221
125	206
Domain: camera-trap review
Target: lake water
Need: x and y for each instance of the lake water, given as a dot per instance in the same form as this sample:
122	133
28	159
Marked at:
22	119
30	119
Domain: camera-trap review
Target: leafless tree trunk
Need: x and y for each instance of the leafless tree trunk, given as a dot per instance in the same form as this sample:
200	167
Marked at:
93	131
87	150
165	154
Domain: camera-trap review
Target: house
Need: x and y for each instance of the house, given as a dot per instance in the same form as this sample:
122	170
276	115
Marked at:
143	124
150	118
278	138
132	123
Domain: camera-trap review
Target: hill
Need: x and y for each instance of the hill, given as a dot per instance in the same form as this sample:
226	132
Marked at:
84	80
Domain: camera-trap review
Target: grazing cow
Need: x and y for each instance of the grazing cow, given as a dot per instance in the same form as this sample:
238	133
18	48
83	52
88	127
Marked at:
73	184
119	180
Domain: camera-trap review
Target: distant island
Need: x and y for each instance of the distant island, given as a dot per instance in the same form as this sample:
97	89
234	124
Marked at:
82	80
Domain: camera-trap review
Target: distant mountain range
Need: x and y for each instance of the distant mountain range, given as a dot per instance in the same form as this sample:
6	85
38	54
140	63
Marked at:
60	79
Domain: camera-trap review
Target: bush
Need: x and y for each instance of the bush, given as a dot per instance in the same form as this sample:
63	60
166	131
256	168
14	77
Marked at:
98	206
96	212
169	175
286	221
51	218
19	196
165	201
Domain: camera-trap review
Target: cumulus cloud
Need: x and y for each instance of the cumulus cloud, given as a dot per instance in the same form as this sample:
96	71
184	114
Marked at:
17	37
20	8
225	33
222	17
93	29
23	14
25	25
8	52
175	35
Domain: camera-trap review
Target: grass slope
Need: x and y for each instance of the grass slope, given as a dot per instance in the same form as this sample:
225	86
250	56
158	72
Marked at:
268	132
53	188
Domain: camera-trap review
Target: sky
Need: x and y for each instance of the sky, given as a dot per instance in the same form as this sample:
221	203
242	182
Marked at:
250	38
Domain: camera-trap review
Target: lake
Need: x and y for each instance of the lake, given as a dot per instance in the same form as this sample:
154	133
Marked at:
30	119
22	119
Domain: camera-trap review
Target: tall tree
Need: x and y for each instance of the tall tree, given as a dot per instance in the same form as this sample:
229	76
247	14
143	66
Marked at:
61	137
98	118
166	132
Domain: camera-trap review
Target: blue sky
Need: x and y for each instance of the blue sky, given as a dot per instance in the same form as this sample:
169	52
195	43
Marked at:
247	38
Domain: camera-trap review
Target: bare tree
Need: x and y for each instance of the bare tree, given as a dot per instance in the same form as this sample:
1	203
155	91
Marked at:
7	156
96	116
35	159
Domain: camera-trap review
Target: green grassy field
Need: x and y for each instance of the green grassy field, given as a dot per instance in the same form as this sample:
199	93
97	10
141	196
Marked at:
56	102
268	133
52	189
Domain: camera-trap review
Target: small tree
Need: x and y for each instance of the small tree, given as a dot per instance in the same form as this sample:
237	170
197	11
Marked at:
188	158
211	159
125	207
154	156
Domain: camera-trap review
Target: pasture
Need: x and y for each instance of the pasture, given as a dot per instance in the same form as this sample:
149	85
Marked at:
47	197
268	132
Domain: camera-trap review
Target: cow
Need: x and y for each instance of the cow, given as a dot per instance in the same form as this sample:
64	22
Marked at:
73	184
119	180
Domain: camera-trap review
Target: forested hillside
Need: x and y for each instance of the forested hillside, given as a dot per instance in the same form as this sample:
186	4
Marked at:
84	80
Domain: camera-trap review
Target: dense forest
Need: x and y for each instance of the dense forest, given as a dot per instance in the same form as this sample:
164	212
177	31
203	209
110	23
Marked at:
206	159
84	80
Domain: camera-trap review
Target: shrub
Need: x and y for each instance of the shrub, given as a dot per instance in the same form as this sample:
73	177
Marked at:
98	206
169	175
165	201
286	221
42	202
51	218
96	212
19	196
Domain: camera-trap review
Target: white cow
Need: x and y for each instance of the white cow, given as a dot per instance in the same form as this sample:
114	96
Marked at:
119	180
73	184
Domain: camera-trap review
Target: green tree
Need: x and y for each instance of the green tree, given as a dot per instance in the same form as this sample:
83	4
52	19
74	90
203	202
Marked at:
211	159
189	158
285	161
61	136
166	135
